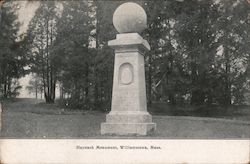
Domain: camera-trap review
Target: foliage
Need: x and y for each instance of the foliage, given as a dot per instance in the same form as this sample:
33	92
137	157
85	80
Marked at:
199	51
12	58
41	36
35	86
73	52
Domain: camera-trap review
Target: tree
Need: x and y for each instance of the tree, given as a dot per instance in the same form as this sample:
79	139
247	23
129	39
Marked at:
189	63
73	51
104	58
192	22
162	76
35	86
233	35
42	34
12	58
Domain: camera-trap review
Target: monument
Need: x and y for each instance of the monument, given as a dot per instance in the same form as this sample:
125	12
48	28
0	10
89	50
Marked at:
129	113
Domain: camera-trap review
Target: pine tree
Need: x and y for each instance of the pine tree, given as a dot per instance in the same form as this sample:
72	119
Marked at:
12	58
74	52
41	35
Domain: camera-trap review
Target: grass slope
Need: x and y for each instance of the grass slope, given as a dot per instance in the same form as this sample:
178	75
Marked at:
31	118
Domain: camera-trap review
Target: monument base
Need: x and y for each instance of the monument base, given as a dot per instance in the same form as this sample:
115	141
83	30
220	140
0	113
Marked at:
128	129
128	123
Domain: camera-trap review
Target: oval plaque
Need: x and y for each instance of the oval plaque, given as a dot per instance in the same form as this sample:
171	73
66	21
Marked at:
126	74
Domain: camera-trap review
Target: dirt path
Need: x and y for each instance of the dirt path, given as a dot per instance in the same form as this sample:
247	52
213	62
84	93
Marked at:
29	118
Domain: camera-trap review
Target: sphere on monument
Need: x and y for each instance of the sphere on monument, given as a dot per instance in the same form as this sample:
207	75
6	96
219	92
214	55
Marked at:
130	17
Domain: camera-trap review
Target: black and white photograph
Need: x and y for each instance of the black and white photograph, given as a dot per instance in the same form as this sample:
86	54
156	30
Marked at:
137	70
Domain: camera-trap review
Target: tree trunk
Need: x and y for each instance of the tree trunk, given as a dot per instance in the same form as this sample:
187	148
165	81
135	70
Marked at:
96	93
36	86
150	80
52	70
41	92
48	97
61	92
198	96
36	91
87	84
227	93
5	95
9	87
96	79
171	95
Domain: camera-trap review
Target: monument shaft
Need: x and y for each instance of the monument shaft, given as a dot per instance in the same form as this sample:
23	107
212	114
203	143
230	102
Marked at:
129	106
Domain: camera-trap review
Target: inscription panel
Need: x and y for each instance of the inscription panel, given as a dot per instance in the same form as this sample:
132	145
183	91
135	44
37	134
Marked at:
126	74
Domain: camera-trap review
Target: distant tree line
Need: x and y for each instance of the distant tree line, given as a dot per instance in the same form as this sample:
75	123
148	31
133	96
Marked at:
199	51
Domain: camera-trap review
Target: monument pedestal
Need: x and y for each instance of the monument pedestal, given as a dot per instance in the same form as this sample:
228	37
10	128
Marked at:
129	106
126	123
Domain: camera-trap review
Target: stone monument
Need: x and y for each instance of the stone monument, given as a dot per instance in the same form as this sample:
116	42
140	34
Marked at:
129	113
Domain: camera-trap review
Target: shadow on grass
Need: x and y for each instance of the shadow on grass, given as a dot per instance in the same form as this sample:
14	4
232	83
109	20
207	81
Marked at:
200	111
38	106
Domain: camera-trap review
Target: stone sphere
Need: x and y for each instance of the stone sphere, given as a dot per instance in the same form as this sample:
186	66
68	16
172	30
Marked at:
130	17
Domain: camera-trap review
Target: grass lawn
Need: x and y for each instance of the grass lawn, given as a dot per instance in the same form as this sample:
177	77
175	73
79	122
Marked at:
31	118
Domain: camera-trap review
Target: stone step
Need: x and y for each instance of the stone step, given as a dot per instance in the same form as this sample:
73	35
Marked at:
128	129
128	118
